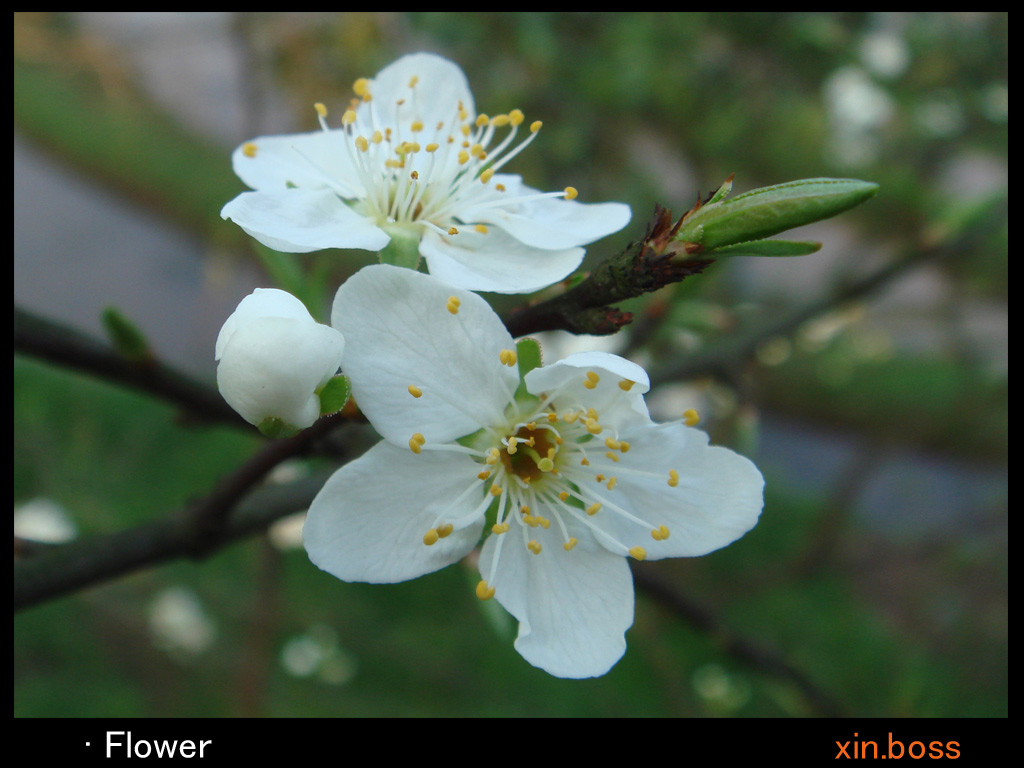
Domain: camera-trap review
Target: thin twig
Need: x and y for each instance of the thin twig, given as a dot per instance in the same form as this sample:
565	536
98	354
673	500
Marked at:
64	346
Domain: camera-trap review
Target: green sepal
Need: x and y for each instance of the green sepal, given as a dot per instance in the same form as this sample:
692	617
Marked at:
403	250
528	357
334	394
767	211
276	428
125	336
722	193
767	248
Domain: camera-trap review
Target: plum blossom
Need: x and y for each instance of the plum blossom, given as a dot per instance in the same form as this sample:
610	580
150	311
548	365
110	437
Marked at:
273	360
414	170
563	468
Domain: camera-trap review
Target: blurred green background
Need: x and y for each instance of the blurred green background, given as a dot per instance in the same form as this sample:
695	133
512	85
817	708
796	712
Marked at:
879	567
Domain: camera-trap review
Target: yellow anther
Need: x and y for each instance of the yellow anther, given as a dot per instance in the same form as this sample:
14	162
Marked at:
535	126
484	591
413	80
484	475
361	86
691	417
660	533
499	528
612	443
516	116
499	187
453	304
349	117
612	481
500	121
571	193
416	126
592	414
445	530
493	456
362	144
415	391
463	157
481	228
594	508
544	522
545	465
625	385
533	546
639	553
570	544
512	446
673	478
530	520
377	137
508	357
414	175
612	456
320	109
486	175
623	446
430	537
416	442
593	427
452	231
495	490
599	478
249	149
482	120
564	495
585	462
432	146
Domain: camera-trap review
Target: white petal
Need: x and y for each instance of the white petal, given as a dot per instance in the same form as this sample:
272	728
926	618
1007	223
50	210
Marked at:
399	332
440	86
262	302
550	222
271	367
368	521
718	498
617	408
495	261
573	607
303	220
316	160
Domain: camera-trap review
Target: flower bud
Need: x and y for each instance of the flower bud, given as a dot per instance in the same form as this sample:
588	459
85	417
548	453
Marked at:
768	211
273	360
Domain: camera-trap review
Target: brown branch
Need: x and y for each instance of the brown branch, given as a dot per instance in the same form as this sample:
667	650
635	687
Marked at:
66	568
64	346
757	655
652	263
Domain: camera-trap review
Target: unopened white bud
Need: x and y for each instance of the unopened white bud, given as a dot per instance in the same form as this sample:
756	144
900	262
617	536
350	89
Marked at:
273	358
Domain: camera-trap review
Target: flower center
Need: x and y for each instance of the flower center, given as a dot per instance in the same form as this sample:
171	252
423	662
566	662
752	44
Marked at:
415	170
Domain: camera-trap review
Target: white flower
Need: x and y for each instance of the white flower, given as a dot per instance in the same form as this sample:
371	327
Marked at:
574	471
274	359
413	167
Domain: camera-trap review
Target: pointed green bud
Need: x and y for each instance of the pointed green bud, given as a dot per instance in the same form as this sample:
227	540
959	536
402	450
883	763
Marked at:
769	248
767	211
126	336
